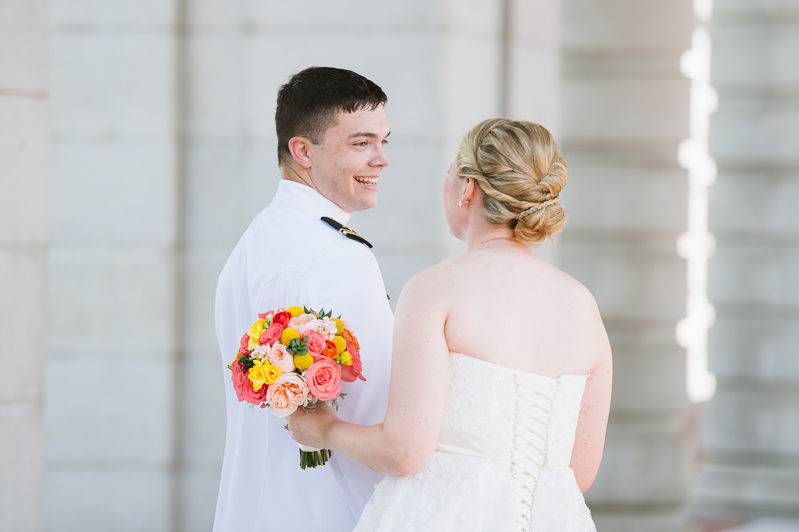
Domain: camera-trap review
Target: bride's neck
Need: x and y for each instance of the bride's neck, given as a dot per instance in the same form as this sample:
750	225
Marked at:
488	237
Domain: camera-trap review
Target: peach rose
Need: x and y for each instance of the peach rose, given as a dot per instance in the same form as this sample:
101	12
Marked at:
353	373
244	388
324	379
286	394
315	341
303	322
280	357
271	334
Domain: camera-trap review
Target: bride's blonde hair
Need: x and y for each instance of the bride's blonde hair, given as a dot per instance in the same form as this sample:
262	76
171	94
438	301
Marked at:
520	171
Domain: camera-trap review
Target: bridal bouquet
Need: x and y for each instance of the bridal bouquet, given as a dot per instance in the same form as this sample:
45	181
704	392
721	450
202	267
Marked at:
296	357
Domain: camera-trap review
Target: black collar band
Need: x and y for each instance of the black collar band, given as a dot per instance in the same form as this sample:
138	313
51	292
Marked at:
346	231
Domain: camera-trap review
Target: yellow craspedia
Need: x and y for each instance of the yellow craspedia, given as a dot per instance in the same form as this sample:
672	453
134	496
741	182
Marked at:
288	335
303	362
341	344
339	325
295	311
345	358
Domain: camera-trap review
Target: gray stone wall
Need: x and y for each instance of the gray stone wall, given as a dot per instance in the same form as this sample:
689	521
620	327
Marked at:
23	249
115	260
750	429
625	112
163	149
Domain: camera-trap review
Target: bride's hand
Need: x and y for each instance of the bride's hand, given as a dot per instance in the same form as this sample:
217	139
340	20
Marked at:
311	428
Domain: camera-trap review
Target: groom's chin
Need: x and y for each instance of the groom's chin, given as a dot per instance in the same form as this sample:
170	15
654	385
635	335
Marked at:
366	202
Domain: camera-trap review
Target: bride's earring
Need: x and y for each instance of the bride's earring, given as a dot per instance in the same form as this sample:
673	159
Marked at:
460	204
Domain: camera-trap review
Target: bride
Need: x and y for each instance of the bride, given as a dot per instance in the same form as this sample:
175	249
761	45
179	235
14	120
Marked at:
501	369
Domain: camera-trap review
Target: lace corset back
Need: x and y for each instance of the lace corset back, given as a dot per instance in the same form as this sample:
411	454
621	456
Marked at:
502	461
530	417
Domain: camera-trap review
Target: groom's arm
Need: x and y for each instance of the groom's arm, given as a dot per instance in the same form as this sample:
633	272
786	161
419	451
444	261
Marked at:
281	291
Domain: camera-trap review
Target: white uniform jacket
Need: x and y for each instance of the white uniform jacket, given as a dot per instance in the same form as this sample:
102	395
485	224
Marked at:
288	256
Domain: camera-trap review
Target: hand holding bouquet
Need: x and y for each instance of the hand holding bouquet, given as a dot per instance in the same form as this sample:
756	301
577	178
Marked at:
293	358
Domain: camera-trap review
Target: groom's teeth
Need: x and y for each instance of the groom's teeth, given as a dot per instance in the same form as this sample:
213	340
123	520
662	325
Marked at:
366	180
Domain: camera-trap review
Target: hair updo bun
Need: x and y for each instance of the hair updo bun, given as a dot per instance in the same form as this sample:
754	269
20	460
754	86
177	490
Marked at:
520	170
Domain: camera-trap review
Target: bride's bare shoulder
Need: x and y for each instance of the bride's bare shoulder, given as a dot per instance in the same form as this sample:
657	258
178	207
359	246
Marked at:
434	282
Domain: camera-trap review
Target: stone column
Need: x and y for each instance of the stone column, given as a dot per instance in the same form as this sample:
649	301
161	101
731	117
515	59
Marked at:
751	426
23	252
625	111
114	264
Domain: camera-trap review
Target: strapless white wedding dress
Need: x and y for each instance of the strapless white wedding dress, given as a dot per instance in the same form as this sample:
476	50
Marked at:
502	461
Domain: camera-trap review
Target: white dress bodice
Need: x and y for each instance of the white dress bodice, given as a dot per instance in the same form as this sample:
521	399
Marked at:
502	461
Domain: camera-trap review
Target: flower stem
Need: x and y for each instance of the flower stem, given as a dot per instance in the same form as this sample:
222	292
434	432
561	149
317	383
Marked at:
314	458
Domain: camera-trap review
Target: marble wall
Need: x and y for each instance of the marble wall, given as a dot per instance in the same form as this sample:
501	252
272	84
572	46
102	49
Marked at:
23	265
625	112
115	266
163	149
750	429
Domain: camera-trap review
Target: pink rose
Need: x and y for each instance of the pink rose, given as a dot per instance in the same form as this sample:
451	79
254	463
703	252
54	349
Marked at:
315	341
286	394
266	315
324	379
243	386
353	373
280	357
245	341
271	334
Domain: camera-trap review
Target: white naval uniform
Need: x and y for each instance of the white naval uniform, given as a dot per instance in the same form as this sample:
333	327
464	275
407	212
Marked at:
288	256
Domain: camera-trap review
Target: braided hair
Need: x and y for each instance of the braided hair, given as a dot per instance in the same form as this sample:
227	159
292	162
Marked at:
520	171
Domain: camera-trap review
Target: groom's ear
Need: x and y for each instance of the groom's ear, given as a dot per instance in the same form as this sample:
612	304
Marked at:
299	148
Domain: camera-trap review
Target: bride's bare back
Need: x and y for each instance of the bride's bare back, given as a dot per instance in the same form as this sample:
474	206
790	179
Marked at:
502	304
509	307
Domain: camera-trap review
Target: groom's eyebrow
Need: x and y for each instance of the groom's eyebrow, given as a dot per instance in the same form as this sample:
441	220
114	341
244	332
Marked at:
367	134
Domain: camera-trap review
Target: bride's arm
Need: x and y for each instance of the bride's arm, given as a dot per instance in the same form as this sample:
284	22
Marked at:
592	423
420	378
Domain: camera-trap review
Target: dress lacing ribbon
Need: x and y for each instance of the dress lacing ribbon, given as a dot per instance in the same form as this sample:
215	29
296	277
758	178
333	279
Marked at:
533	404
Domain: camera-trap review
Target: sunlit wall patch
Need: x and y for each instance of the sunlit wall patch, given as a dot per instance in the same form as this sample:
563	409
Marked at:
697	244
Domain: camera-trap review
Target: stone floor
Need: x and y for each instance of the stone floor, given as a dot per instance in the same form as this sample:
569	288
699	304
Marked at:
758	525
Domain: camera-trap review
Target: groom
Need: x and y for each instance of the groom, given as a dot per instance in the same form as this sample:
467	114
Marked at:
331	133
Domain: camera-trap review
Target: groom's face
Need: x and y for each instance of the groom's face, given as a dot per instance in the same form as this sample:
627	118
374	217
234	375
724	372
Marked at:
346	166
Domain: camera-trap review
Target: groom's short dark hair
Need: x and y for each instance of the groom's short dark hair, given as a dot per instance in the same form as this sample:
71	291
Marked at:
308	104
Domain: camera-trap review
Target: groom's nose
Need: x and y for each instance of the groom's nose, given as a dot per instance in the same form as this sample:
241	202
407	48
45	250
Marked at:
380	157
